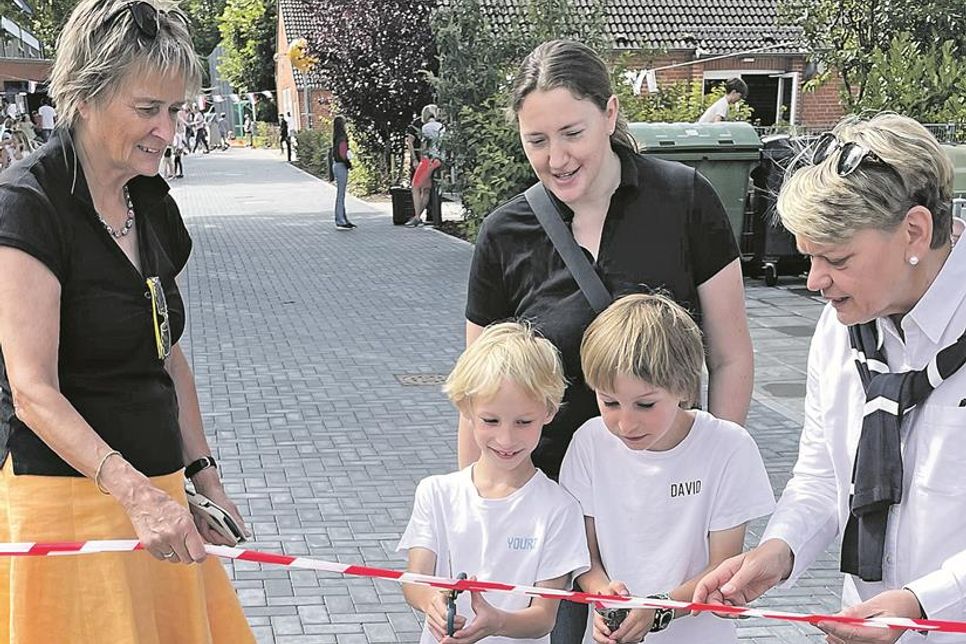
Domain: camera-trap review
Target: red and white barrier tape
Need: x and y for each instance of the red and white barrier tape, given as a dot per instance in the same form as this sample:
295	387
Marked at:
241	554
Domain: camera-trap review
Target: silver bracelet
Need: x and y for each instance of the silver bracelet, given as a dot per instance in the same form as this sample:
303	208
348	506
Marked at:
100	466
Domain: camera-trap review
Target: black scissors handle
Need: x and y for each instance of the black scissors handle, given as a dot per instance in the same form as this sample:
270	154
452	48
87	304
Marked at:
451	607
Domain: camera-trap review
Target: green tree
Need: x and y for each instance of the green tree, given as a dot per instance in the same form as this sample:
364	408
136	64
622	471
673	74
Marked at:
374	55
46	22
248	36
205	17
924	82
846	34
477	59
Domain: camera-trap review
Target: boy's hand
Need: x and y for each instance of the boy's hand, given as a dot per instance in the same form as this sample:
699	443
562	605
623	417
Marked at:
634	627
436	612
488	621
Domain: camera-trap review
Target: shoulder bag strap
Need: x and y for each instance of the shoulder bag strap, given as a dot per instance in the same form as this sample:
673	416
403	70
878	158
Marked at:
563	241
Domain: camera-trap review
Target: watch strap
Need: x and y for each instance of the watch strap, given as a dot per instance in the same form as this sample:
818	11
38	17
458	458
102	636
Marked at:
196	466
662	616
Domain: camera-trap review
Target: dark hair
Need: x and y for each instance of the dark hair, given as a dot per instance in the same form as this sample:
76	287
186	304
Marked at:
338	129
575	66
736	85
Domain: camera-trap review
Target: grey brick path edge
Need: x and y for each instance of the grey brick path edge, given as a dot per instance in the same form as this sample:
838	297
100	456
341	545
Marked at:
297	333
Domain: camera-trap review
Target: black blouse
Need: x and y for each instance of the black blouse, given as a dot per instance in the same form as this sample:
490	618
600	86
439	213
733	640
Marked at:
108	365
665	229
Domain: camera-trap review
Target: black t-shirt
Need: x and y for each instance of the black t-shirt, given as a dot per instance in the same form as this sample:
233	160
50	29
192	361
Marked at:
108	367
665	229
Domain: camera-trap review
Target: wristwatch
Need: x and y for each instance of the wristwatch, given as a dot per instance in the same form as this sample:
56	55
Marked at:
662	616
202	463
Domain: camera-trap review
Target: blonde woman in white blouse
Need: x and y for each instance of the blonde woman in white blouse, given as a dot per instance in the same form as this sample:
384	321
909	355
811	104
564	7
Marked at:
881	455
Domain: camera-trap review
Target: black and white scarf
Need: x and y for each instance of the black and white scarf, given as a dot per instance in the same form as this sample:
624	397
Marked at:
877	471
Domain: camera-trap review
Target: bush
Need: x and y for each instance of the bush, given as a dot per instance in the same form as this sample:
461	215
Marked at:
500	168
366	177
266	135
923	82
313	151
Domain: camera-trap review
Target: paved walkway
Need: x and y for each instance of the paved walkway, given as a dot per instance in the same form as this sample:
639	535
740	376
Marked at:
318	355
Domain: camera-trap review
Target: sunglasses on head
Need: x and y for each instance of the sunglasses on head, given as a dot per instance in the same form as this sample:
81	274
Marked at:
147	18
851	154
159	316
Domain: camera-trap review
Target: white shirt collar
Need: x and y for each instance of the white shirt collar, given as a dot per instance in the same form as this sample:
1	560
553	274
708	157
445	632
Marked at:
934	310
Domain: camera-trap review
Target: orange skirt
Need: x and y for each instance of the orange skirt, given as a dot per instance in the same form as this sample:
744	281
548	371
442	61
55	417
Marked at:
109	597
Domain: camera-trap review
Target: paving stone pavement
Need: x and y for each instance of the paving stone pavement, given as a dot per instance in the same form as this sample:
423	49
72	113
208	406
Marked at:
317	354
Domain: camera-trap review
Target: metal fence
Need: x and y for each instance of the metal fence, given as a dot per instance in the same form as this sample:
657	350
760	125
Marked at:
944	132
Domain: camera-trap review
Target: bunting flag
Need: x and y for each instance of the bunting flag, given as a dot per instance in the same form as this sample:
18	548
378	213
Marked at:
266	93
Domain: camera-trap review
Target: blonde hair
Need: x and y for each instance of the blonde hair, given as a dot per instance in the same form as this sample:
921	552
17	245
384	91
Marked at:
507	351
818	204
429	112
101	46
649	337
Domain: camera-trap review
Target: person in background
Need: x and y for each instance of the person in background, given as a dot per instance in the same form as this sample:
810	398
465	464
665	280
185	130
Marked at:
48	119
341	164
224	128
735	90
248	127
643	222
880	461
99	417
283	136
430	152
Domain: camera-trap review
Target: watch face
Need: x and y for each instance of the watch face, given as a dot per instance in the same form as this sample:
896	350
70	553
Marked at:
662	619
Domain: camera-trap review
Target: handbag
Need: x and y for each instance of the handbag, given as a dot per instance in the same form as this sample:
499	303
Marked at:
215	516
566	246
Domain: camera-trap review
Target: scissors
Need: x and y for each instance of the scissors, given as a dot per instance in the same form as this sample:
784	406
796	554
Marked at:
451	607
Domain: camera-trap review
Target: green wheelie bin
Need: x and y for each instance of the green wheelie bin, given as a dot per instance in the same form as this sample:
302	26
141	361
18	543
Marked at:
724	153
957	154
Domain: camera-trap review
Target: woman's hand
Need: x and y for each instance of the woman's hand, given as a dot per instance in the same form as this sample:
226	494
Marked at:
745	577
164	526
892	603
207	482
634	627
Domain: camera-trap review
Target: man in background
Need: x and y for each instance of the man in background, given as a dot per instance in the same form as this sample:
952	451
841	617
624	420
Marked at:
735	90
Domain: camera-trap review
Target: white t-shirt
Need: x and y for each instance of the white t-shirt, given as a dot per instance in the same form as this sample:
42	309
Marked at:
718	108
432	133
653	510
535	534
47	115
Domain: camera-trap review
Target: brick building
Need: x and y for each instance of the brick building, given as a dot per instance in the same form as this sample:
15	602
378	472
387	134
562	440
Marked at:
708	40
300	93
713	40
24	69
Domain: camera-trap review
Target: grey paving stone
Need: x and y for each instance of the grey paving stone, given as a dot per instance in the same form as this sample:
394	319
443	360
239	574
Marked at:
298	335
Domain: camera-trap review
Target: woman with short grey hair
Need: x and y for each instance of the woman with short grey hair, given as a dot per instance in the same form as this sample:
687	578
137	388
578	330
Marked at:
99	415
880	461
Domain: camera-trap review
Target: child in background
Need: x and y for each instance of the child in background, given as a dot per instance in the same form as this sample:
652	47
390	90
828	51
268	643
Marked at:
501	518
666	491
167	163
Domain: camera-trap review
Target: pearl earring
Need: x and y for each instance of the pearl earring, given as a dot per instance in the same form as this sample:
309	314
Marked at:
913	261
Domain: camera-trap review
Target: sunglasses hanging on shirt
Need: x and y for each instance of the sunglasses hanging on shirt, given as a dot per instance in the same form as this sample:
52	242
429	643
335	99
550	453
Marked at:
159	316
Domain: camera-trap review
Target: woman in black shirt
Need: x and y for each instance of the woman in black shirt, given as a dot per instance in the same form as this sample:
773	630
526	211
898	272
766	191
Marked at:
99	413
644	223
